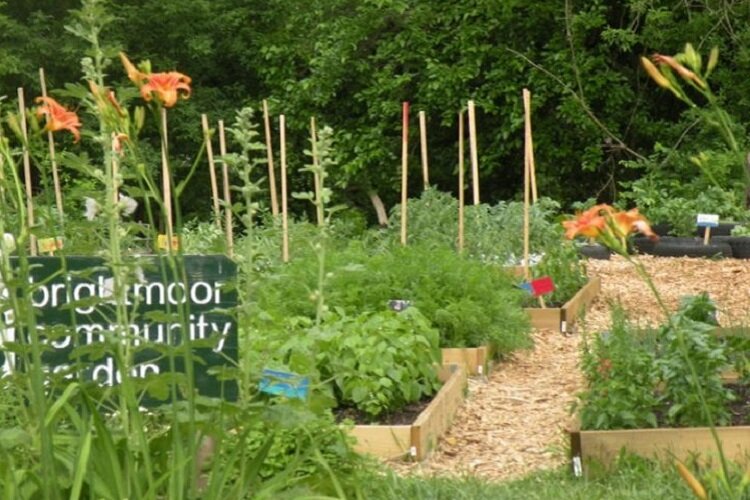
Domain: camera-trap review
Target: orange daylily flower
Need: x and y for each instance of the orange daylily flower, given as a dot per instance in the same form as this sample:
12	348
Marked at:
679	68
627	222
58	117
609	227
134	74
589	223
167	87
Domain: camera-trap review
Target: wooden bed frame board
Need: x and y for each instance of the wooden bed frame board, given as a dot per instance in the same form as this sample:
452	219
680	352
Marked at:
601	448
563	318
472	358
419	438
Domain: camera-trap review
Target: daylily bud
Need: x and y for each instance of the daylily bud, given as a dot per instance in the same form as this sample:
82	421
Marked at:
681	70
654	73
713	59
692	58
134	74
139	116
15	125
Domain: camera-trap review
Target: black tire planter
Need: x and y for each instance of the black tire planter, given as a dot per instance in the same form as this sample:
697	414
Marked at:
740	245
662	228
598	252
691	247
723	229
643	245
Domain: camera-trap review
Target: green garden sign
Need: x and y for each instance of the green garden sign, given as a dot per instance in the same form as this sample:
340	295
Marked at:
75	312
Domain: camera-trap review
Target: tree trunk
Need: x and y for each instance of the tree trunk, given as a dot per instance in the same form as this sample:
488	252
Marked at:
377	203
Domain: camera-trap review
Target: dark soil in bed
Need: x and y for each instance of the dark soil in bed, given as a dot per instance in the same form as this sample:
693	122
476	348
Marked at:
405	416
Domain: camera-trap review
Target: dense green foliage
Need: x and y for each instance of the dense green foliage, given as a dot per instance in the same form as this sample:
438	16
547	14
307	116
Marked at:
467	301
638	376
324	315
352	63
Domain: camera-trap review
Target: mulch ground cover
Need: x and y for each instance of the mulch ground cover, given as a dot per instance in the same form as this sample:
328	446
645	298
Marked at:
513	421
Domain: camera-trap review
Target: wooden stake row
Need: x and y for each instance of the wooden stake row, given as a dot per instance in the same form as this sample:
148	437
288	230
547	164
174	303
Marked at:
166	176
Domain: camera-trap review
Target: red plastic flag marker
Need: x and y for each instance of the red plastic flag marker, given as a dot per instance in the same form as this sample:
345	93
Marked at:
542	286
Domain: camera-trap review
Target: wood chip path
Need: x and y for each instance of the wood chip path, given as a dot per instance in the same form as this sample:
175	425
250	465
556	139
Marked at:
513	421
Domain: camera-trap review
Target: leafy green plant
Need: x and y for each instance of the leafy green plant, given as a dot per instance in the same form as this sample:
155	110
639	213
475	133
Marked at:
469	303
637	376
564	264
620	368
492	232
676	203
379	361
692	330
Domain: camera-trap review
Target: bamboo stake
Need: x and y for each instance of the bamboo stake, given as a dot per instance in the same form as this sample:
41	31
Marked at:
166	181
229	228
461	169
529	143
473	152
316	171
269	154
284	212
211	169
404	167
526	195
27	171
53	161
423	148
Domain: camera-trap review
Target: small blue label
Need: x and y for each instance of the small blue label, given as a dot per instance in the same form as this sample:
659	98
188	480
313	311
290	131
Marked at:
526	286
285	384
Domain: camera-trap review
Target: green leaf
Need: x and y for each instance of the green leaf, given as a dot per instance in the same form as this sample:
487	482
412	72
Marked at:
14	437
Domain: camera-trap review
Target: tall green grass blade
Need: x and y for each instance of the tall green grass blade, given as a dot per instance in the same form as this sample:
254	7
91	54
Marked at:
57	406
81	466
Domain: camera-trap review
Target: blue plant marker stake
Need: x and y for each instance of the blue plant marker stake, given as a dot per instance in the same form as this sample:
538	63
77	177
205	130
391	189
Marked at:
526	286
290	385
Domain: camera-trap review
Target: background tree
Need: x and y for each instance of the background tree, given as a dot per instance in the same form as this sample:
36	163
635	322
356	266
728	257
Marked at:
352	62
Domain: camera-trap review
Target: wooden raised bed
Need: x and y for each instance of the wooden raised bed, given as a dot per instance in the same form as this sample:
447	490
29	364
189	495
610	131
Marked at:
599	448
476	360
592	449
419	438
563	318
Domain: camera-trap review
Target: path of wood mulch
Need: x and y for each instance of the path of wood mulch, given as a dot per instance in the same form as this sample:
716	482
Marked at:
513	421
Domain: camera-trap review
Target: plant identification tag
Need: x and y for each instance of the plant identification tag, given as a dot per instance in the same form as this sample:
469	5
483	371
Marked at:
707	220
161	242
49	245
285	384
399	305
538	287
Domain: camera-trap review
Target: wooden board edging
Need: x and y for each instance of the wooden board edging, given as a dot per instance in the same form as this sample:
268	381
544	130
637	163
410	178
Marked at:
601	448
419	438
563	318
476	360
